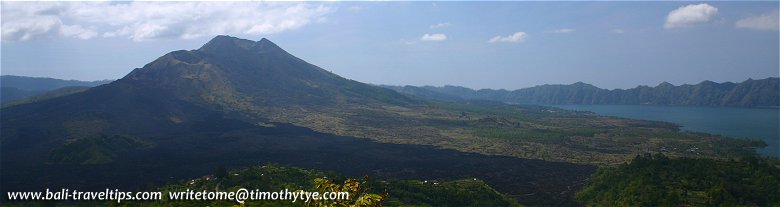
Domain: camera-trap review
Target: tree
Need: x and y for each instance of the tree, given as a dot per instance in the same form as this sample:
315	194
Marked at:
359	195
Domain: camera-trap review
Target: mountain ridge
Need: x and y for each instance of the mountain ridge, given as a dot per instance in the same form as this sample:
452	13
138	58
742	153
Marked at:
13	87
44	83
749	93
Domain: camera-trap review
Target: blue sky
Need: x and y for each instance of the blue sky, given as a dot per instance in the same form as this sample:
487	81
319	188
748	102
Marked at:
507	45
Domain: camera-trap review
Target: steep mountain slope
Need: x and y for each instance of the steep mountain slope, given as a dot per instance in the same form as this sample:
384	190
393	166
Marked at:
259	79
749	93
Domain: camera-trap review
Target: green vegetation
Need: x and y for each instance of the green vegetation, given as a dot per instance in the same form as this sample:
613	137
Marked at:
360	195
99	149
548	133
534	134
370	192
660	181
466	192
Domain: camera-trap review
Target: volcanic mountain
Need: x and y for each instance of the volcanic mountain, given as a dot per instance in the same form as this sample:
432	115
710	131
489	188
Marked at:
242	79
259	80
232	73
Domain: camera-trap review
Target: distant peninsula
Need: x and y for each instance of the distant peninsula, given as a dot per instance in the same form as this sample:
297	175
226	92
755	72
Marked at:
749	93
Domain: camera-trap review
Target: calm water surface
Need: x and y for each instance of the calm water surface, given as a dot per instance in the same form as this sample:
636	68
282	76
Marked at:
753	123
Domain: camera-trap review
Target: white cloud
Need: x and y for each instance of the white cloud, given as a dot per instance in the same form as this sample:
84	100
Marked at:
77	32
564	30
434	37
25	29
767	21
140	21
440	25
690	15
618	31
517	37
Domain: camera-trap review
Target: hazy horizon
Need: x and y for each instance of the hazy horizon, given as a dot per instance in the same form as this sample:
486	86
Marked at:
496	45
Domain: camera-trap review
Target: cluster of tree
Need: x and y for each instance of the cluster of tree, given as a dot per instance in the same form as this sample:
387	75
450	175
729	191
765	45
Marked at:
656	180
465	192
362	192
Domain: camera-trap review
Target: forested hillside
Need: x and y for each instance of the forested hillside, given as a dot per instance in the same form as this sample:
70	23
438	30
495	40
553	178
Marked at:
660	181
749	93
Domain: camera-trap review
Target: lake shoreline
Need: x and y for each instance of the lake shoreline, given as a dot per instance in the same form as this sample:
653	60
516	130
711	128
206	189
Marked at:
756	123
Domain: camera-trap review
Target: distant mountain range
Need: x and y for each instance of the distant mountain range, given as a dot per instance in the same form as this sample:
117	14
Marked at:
17	87
749	93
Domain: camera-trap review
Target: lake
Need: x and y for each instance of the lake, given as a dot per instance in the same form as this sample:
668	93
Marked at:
753	123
